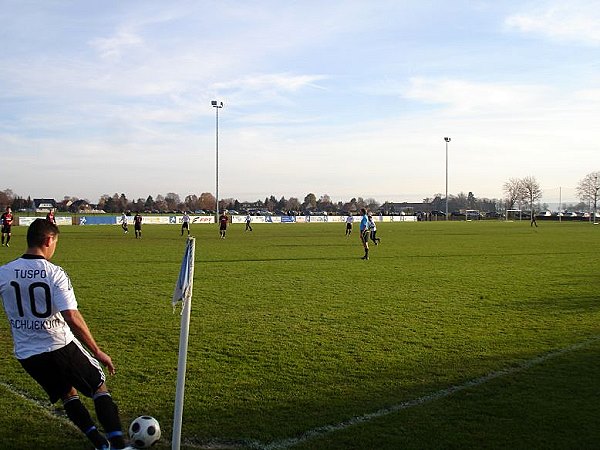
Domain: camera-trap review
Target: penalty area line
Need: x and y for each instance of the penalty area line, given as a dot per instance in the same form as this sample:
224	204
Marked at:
328	429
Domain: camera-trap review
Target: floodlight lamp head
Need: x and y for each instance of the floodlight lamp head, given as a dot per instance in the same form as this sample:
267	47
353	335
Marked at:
216	104
447	139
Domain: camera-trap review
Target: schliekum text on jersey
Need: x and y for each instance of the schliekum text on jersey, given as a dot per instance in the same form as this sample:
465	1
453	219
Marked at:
24	324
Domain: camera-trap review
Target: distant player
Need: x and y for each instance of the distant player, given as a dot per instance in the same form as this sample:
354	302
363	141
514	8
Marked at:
6	221
364	232
223	220
49	334
248	221
137	225
349	221
124	222
373	230
50	217
185	223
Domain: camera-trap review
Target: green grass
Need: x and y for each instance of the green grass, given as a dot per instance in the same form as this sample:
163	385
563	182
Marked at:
291	332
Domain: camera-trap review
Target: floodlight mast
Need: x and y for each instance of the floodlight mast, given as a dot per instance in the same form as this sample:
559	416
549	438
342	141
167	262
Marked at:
447	139
596	187
217	105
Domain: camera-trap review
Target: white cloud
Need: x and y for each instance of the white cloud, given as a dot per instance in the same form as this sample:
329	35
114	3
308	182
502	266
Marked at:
113	47
577	21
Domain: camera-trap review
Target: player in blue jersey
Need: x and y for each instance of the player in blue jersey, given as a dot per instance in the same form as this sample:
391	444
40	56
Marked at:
364	232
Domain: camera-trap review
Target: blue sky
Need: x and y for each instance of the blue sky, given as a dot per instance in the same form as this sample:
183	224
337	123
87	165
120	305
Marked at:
345	98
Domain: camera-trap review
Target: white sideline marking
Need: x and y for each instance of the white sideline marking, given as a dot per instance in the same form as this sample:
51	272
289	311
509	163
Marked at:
327	429
320	431
46	408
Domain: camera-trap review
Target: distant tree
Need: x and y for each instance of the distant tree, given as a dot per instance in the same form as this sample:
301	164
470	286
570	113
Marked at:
587	190
513	191
293	204
207	201
139	205
282	204
160	204
324	203
19	203
310	202
109	205
172	200
191	203
270	203
6	198
149	203
438	203
471	201
531	193
372	204
226	203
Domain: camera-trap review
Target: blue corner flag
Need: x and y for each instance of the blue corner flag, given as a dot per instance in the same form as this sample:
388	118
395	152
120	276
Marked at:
183	288
183	294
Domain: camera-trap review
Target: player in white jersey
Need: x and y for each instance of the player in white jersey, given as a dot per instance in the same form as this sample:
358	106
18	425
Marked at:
124	223
185	223
373	230
49	335
349	221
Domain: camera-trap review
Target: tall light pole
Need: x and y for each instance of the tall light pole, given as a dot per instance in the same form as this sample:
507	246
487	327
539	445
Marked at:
447	139
217	105
596	187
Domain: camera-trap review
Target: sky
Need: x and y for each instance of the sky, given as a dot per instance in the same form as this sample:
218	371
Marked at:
345	98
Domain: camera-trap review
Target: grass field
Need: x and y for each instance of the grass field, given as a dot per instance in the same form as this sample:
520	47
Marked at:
453	335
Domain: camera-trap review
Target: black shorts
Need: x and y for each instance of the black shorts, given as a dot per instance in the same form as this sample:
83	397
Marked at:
68	367
137	227
348	226
185	225
364	235
6	228
223	227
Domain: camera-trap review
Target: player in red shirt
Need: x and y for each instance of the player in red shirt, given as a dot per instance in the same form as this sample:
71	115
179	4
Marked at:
223	219
7	220
50	217
137	225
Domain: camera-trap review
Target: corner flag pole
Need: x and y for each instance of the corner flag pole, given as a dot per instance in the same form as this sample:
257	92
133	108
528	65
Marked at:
183	293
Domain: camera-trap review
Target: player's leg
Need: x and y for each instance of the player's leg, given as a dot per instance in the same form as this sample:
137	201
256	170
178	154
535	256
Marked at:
108	415
9	234
50	371
88	377
80	416
364	237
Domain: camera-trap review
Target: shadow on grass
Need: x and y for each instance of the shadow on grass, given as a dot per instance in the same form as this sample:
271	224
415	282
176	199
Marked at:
548	401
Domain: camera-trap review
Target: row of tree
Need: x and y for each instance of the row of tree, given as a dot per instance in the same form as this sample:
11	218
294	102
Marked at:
526	192
519	192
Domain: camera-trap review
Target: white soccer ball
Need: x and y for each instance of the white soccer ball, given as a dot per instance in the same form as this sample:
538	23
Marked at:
144	432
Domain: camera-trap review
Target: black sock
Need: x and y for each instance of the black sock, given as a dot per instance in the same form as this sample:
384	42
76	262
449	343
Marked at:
108	415
80	416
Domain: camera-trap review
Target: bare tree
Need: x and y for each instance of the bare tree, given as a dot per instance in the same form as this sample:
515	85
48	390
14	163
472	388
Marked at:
587	190
531	193
513	190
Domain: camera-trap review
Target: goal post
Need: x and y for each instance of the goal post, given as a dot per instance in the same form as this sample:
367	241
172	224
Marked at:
513	214
472	214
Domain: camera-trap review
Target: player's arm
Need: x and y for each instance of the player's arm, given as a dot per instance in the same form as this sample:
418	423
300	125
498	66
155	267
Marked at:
81	331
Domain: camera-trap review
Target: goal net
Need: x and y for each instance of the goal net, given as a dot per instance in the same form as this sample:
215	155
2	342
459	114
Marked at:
472	214
513	214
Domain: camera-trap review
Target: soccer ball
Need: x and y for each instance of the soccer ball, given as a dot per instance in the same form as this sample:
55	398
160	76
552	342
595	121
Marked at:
144	432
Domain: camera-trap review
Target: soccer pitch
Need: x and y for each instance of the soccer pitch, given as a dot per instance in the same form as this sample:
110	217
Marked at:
453	335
